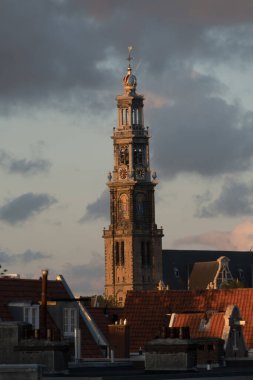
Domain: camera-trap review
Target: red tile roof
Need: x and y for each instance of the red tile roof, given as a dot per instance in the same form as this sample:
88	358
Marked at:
193	321
145	311
104	317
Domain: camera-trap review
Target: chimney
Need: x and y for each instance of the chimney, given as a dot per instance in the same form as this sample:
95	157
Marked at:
43	323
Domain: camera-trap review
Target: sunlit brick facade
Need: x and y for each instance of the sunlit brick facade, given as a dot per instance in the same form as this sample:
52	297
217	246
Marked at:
133	243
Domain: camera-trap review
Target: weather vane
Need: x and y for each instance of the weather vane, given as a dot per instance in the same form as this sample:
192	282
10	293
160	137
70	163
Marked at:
129	58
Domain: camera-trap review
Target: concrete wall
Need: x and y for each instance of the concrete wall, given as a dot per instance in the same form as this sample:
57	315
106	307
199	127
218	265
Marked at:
20	372
15	350
156	361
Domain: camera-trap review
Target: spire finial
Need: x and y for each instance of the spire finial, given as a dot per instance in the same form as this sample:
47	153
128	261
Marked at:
129	58
129	80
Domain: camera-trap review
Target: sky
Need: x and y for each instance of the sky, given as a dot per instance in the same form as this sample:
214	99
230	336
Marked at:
61	67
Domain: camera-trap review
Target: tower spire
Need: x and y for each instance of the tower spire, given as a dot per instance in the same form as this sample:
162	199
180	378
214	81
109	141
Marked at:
129	80
129	58
133	243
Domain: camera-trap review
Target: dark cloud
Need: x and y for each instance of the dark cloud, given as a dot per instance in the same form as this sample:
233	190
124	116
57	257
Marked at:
235	199
23	166
201	132
88	278
97	209
24	207
53	51
23	257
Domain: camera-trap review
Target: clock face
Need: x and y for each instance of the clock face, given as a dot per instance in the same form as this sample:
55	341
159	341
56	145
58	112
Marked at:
140	173
123	173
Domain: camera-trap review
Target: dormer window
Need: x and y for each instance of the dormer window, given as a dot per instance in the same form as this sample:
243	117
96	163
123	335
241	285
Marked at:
31	315
69	321
176	272
241	274
27	312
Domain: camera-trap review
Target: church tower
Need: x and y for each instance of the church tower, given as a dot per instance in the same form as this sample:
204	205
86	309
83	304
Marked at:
133	243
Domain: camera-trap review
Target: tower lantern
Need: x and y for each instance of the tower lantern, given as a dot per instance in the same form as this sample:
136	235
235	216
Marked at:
133	243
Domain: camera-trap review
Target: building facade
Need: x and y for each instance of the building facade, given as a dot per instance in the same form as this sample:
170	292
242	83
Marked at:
133	243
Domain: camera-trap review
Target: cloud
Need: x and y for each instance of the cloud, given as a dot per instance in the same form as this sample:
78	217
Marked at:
239	239
23	166
24	207
201	133
235	199
23	257
88	278
62	52
97	209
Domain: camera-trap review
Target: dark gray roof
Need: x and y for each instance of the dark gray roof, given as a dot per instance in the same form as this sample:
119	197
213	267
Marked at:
178	264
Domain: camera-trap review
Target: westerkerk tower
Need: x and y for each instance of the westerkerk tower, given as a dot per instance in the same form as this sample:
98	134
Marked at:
133	243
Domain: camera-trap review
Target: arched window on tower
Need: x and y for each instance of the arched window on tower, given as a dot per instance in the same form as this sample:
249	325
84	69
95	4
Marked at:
139	116
124	116
124	155
123	206
117	253
134	116
122	253
138	154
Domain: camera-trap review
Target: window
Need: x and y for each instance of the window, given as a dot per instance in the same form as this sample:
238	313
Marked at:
134	117
176	272
124	116
241	274
122	253
124	155
140	202
123	206
31	315
138	154
69	321
143	261
117	253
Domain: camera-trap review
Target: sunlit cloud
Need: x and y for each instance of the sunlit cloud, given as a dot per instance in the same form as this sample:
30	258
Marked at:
239	239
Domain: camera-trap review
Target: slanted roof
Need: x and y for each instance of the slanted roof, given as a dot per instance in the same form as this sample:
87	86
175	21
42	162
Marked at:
146	311
105	316
240	265
202	274
215	324
20	290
